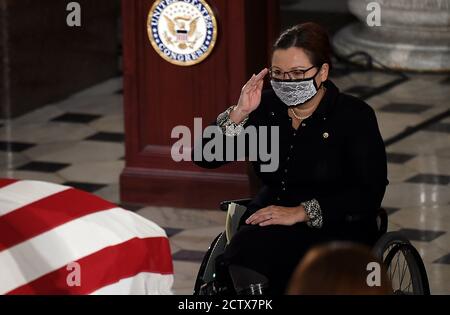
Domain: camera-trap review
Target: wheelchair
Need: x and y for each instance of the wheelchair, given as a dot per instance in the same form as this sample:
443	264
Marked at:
403	263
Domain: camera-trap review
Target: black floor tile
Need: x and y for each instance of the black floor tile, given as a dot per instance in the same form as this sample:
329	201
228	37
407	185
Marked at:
47	167
399	158
421	235
107	137
7	146
443	260
439	127
76	118
430	179
446	81
172	231
189	255
405	108
88	187
132	208
360	90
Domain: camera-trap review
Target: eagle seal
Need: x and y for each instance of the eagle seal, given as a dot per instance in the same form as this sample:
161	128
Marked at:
183	32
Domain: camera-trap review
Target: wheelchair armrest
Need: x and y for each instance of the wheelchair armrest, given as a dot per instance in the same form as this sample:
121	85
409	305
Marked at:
243	202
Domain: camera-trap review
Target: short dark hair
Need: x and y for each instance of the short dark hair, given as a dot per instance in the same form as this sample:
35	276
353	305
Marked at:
312	38
338	268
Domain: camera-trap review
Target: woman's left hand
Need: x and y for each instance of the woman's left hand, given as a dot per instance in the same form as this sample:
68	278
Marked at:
276	215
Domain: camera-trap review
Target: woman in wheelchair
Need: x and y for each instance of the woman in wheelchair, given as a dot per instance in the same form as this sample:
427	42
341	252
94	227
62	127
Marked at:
332	171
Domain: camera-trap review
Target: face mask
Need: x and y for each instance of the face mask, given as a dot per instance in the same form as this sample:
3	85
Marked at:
295	92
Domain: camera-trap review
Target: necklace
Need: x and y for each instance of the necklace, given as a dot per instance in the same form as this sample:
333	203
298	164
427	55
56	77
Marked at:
306	117
299	117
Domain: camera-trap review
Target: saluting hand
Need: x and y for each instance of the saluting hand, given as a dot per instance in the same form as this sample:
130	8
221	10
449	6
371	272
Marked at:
250	97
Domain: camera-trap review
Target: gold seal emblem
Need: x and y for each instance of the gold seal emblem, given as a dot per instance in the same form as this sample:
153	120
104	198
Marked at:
183	32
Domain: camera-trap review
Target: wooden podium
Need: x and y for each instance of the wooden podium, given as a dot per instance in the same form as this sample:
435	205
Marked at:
159	96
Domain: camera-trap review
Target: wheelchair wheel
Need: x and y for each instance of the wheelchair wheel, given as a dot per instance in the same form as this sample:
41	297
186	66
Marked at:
404	265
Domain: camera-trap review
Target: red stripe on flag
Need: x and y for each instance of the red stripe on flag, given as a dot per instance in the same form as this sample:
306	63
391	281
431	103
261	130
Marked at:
106	267
46	214
7	181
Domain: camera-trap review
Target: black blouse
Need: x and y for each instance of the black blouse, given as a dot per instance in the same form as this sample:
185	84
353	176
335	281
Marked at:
337	156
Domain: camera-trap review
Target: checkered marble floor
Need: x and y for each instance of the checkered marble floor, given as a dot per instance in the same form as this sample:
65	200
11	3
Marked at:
79	142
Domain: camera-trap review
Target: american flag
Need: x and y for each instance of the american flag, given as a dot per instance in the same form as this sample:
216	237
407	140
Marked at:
46	228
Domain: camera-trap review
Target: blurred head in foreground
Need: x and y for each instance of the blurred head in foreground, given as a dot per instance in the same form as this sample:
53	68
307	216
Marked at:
340	269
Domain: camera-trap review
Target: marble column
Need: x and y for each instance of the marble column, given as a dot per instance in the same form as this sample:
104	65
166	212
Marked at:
414	34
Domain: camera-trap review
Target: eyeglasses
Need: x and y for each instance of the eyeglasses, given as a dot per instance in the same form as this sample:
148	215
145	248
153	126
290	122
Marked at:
297	74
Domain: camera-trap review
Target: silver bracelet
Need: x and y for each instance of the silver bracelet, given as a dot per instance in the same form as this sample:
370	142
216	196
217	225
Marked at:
314	213
228	126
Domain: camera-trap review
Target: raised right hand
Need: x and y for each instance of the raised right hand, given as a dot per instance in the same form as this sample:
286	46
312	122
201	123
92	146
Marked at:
250	96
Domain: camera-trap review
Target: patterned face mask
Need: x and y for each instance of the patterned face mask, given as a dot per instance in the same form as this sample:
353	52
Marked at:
295	92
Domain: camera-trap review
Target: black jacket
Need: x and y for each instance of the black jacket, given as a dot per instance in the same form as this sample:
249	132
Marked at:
337	156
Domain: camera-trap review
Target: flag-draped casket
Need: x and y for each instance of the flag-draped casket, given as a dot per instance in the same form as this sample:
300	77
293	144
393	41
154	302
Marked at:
56	239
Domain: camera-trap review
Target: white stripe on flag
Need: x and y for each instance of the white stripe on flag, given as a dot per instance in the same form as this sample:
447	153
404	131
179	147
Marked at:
22	193
69	242
144	283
